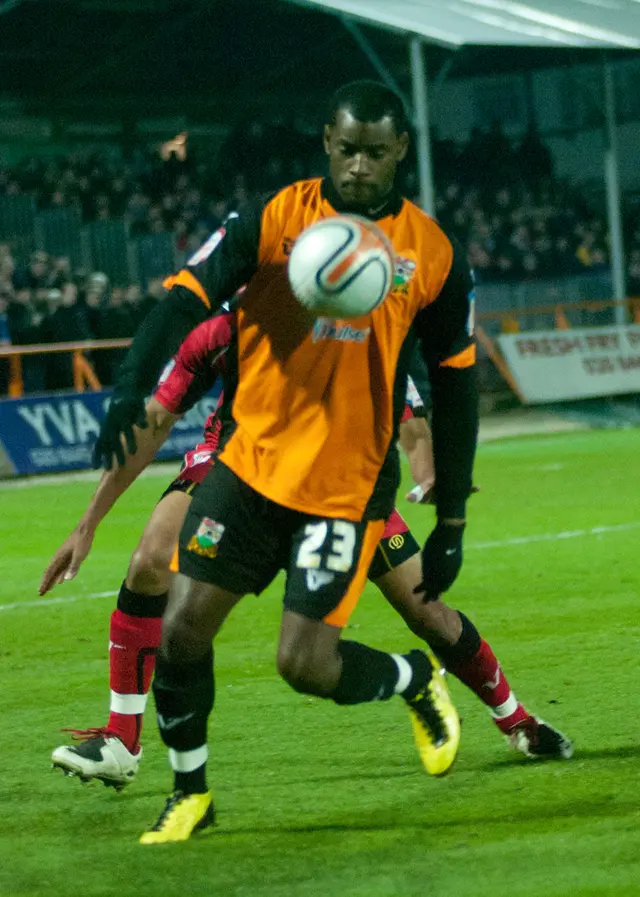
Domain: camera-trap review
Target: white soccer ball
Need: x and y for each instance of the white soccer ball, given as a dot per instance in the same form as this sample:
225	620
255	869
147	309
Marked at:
341	267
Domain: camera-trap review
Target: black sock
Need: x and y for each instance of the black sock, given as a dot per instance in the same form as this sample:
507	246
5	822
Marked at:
421	672
464	649
194	782
137	604
184	695
367	675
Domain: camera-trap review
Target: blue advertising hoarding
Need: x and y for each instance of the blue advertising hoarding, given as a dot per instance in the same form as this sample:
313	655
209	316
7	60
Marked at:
51	433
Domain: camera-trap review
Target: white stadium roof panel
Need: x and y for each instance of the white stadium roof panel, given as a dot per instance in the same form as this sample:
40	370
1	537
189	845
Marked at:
540	23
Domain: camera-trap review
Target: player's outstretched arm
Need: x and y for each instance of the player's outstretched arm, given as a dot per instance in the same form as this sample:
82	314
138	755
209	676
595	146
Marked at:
114	482
415	441
445	328
218	269
156	340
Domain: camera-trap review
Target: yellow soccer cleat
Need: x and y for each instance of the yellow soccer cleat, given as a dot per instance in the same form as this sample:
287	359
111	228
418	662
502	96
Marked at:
435	721
183	814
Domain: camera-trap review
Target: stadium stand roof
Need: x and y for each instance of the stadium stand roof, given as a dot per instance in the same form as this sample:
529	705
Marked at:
209	59
542	23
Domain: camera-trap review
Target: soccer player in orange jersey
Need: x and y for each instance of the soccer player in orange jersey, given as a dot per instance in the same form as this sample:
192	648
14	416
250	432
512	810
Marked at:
112	752
309	475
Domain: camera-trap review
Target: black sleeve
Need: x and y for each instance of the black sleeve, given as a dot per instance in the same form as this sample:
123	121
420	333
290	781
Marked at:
229	258
445	329
420	376
157	339
221	266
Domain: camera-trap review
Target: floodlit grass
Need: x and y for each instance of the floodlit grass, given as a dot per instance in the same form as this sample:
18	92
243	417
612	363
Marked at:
319	800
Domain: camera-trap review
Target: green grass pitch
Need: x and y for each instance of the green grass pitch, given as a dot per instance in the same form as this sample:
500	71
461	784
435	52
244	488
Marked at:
319	801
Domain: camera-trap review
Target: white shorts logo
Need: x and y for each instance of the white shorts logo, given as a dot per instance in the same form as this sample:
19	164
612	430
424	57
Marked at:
316	579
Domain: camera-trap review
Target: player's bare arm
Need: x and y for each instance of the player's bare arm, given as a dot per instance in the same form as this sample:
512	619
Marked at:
114	482
417	444
415	441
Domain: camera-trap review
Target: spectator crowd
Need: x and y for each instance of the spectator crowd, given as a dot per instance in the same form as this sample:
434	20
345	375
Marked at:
45	302
500	199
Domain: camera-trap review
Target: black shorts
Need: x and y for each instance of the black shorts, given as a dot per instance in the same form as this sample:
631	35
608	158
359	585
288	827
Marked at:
235	538
395	547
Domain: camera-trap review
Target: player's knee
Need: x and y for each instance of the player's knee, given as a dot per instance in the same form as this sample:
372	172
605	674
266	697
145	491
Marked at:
149	568
182	641
290	667
299	670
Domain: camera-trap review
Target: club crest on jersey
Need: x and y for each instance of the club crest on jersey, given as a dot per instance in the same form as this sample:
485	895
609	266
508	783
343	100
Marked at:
405	270
204	541
330	328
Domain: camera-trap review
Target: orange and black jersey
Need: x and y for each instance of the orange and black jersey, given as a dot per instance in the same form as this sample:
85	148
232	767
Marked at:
318	401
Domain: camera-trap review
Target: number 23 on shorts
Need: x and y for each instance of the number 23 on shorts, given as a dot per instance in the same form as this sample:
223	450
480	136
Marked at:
327	544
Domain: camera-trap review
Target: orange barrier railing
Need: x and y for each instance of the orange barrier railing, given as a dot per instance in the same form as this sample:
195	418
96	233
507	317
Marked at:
509	317
84	376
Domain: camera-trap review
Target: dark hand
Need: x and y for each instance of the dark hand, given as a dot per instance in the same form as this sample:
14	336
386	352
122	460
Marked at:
441	560
124	412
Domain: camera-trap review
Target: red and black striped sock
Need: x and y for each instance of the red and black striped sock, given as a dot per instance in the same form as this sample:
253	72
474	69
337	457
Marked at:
134	639
473	662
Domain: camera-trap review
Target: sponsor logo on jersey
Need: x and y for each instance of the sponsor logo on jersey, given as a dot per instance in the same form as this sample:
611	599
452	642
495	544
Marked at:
204	541
330	328
396	541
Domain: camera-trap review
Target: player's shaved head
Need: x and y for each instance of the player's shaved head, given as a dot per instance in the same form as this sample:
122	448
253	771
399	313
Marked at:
369	101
